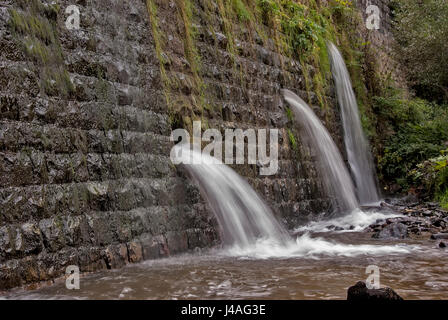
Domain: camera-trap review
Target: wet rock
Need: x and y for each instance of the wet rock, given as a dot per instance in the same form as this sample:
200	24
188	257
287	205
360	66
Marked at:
433	205
9	275
410	200
278	119
116	256
442	245
5	242
177	242
427	213
52	233
395	230
135	252
439	236
395	188
32	239
221	40
75	230
415	230
360	292
150	247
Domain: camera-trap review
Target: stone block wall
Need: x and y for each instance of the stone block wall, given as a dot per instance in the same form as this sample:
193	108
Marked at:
85	174
243	91
382	41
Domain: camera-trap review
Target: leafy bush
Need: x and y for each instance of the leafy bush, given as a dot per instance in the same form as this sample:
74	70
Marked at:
443	199
422	32
432	176
418	131
302	24
303	30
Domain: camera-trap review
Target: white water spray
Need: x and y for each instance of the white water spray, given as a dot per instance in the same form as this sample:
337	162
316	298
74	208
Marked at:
306	246
242	214
355	221
335	176
248	226
358	153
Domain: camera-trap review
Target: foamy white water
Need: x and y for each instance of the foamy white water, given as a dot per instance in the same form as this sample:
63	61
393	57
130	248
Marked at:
248	226
307	247
355	221
242	214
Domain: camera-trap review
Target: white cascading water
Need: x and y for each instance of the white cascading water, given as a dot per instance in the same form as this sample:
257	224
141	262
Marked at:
355	221
248	226
358	153
334	174
243	216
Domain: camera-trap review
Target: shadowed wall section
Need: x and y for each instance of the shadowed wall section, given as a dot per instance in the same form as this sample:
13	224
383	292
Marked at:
85	172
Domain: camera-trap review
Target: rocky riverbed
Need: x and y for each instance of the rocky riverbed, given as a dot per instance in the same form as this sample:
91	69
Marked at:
418	221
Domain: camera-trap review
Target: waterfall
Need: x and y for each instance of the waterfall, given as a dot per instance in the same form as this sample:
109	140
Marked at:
335	176
243	216
358	153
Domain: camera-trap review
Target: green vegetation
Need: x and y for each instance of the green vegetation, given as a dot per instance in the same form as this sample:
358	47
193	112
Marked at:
182	109
289	114
158	44
231	12
304	27
422	31
191	52
56	81
414	130
34	28
292	140
409	133
412	127
241	11
432	176
300	30
302	24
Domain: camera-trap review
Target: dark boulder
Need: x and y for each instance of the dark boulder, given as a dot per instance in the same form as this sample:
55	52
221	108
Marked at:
395	230
395	188
432	204
360	292
442	245
439	236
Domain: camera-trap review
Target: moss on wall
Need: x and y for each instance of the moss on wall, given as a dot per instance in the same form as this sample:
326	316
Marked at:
34	27
159	47
299	29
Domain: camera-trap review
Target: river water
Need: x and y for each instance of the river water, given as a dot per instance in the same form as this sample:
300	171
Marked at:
323	266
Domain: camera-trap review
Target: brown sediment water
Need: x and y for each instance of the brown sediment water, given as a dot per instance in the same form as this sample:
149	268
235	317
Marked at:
323	267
